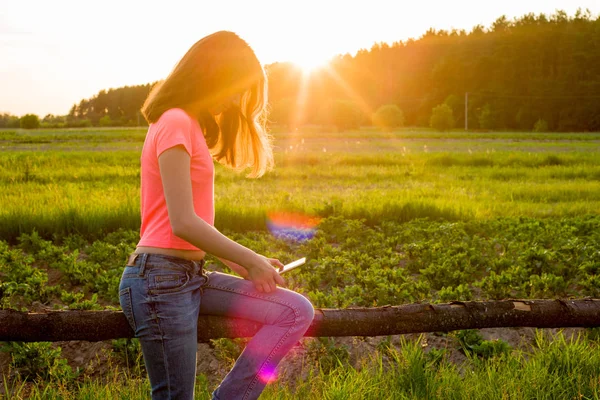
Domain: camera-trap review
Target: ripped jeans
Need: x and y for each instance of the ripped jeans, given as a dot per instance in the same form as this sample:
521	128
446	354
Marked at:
162	296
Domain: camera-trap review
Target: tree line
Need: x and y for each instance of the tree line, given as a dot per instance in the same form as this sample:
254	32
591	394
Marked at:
113	107
534	72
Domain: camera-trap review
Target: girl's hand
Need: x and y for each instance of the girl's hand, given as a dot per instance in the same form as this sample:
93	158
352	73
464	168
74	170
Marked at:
263	274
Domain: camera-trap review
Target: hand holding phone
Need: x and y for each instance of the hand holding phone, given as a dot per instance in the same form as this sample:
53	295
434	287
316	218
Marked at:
292	265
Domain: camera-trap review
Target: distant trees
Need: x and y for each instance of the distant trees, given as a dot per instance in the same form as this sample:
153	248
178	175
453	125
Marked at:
105	121
121	106
486	118
53	121
282	112
29	121
343	114
388	117
540	126
516	72
441	118
9	121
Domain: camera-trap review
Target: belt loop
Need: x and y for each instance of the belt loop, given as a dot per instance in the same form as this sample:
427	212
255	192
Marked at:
143	258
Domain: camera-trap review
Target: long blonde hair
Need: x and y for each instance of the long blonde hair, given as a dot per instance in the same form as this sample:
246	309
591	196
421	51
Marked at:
215	68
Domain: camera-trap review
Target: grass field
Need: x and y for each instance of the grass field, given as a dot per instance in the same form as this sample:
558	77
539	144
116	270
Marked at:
411	215
87	181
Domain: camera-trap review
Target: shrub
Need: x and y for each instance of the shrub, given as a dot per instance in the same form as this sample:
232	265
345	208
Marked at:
9	121
486	118
105	121
344	114
79	123
471	342
441	118
388	116
38	360
547	285
458	293
525	118
540	126
29	121
454	102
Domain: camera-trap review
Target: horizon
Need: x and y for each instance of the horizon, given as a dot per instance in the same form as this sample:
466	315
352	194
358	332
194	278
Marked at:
78	49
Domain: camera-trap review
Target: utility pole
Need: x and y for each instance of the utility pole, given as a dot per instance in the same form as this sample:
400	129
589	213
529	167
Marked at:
466	111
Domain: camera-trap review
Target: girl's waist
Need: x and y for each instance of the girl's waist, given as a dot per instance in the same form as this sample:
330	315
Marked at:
192	255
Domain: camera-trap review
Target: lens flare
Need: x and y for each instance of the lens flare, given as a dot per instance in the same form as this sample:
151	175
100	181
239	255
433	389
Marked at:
268	374
294	227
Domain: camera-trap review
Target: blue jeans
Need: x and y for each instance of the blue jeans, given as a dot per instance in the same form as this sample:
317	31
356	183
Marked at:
162	296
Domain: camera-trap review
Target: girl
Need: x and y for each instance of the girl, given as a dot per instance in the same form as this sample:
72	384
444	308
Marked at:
211	107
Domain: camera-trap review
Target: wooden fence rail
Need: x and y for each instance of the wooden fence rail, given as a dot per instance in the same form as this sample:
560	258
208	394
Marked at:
389	320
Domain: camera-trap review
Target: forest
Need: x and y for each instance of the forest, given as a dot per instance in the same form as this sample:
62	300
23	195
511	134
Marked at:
535	71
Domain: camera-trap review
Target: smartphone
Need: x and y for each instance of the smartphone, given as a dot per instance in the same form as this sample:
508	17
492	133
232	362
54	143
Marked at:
292	265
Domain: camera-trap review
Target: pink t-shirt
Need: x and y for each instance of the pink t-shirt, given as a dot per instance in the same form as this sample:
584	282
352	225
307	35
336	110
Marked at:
174	127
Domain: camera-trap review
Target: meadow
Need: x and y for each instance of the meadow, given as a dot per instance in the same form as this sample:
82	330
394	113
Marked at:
87	182
409	215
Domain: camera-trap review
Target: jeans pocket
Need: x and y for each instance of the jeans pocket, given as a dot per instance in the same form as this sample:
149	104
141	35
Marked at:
125	300
167	281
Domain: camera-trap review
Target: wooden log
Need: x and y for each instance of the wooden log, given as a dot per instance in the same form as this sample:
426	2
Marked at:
388	320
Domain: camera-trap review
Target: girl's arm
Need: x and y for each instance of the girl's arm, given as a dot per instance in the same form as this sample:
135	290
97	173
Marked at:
235	268
174	164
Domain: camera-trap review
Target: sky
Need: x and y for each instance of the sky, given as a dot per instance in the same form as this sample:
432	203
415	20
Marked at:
54	53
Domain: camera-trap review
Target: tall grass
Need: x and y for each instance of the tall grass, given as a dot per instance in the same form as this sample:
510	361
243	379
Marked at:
555	368
92	192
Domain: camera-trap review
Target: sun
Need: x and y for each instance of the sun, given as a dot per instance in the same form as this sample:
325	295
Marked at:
309	64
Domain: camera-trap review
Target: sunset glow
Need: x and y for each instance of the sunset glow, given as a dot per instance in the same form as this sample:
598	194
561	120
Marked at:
309	64
58	55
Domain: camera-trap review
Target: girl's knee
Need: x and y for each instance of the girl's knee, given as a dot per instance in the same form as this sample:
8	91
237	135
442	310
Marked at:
304	308
299	310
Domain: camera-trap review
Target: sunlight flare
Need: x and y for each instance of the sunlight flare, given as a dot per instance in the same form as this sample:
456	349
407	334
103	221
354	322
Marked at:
309	63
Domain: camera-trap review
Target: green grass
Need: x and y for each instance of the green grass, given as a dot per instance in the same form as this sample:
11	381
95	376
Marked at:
88	181
555	368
